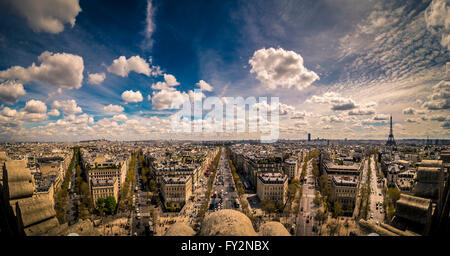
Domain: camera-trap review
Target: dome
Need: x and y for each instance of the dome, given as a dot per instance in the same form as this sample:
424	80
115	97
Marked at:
227	223
179	229
273	229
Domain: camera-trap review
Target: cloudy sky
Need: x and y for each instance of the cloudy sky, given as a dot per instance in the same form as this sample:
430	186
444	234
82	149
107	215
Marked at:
76	69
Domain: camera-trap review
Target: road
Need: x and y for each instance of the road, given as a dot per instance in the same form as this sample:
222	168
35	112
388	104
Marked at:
307	203
376	195
141	214
72	200
224	182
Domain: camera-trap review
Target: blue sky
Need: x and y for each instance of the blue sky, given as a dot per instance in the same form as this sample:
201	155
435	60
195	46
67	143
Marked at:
339	68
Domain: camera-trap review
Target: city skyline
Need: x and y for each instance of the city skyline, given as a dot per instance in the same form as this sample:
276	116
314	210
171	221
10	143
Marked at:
107	70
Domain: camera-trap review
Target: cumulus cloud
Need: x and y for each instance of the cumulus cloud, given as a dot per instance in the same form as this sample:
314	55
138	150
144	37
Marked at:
437	18
169	80
53	112
47	15
278	67
409	111
58	69
123	66
119	118
439	118
113	108
361	112
205	86
440	98
132	96
8	112
68	107
332	119
299	115
381	117
97	78
337	102
35	106
10	91
170	98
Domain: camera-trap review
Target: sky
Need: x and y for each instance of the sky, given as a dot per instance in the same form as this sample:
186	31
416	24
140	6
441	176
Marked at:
75	70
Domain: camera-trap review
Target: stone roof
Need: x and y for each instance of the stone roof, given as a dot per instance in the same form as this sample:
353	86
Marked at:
35	209
179	229
273	228
413	208
428	174
227	223
430	163
18	178
82	228
41	228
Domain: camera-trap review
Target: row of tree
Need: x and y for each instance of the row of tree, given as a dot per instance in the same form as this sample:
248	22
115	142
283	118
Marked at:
205	204
126	190
62	194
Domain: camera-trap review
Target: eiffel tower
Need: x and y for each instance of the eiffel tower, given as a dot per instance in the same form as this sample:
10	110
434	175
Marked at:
391	141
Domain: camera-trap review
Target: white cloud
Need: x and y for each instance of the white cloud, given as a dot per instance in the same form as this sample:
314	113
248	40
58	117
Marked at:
440	98
337	101
332	119
132	96
437	18
47	15
361	112
409	111
169	80
113	108
35	106
150	25
439	118
119	118
123	66
381	117
53	112
205	86
10	91
277	67
59	69
168	98
8	112
69	107
97	78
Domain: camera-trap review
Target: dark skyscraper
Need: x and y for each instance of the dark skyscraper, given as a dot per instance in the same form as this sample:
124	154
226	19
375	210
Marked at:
391	141
309	136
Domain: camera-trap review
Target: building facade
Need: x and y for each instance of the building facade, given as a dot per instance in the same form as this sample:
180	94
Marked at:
273	187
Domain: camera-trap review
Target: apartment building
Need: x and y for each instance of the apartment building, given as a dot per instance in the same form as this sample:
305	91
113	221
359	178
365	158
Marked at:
273	187
176	191
103	188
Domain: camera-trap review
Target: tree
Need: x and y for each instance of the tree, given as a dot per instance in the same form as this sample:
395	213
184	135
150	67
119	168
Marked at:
268	206
320	216
317	200
100	205
292	188
110	204
337	209
333	227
